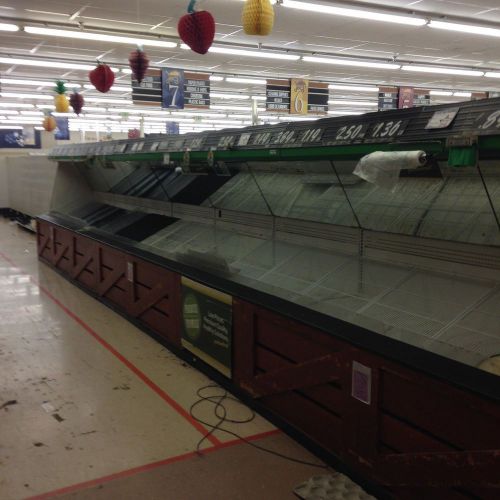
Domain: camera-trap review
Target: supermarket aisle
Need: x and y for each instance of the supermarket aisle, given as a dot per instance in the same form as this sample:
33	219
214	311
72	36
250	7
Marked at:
93	408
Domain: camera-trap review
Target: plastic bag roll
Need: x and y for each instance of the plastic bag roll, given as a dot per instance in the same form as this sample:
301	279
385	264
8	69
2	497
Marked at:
383	168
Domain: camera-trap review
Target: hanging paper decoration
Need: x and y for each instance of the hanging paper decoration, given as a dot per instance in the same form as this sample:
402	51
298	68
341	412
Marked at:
77	102
49	122
60	100
139	64
102	77
197	29
258	17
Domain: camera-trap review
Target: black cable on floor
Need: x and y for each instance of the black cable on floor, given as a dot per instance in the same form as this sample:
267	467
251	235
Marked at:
221	413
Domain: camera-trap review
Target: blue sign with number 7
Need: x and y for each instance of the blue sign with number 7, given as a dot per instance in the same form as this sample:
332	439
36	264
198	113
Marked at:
172	88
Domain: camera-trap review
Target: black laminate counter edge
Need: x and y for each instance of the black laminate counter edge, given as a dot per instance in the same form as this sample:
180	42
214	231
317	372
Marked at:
453	372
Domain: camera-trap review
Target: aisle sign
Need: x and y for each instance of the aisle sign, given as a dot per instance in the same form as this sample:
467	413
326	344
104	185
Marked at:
299	96
318	98
149	91
388	98
172	88
278	96
196	91
207	321
406	97
422	98
62	129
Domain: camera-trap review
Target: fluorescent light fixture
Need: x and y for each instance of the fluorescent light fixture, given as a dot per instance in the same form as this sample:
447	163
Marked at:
350	62
254	53
220	95
443	93
492	74
27	121
18	105
9	112
345	113
465	28
230	108
16	95
31	113
115	88
108	100
35	83
355	13
12	127
45	64
259	97
462	94
442	71
45	106
126	71
8	27
216	78
98	37
354	88
340	102
254	81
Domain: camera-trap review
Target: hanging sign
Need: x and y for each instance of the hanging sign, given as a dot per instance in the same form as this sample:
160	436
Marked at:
406	97
422	98
172	128
62	129
149	91
13	139
173	88
318	98
388	98
196	91
278	96
207	319
299	96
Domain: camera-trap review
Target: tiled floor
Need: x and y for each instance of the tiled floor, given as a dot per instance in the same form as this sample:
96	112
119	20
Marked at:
102	411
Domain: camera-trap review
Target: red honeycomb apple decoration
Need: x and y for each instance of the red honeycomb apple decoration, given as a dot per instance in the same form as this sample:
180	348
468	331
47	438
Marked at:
102	77
77	102
139	64
197	29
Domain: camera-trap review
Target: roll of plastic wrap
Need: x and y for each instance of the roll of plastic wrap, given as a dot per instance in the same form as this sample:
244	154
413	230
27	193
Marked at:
383	168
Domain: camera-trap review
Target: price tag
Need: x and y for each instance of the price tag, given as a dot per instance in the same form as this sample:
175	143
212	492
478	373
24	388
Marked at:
284	137
387	129
351	133
244	139
197	142
311	135
226	141
261	138
488	122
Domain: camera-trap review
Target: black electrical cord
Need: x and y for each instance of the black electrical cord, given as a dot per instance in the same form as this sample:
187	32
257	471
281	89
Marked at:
221	413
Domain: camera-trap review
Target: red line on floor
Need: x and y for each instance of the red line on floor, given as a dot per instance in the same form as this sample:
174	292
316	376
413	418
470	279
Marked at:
160	392
144	468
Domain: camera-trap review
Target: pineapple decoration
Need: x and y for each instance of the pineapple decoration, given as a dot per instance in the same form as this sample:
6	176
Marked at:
258	17
49	122
139	64
60	100
77	102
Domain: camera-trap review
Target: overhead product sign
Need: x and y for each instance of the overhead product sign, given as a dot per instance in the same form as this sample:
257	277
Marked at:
62	130
318	98
388	98
196	91
149	91
278	96
207	321
14	139
173	88
422	98
406	97
299	96
172	128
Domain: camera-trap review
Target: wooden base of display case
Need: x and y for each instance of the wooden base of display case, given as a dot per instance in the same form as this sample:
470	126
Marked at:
409	434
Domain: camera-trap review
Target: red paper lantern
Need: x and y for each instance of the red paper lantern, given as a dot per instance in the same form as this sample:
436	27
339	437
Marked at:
139	64
77	102
102	77
197	29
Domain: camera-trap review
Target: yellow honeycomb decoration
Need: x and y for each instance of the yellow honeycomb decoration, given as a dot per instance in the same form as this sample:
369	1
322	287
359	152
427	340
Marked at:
258	17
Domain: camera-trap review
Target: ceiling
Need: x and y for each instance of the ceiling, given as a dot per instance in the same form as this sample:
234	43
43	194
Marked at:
296	31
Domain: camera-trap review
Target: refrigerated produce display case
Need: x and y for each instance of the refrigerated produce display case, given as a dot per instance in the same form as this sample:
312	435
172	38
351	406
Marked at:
342	273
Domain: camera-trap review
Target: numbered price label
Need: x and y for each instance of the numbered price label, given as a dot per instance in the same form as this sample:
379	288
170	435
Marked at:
311	135
285	137
488	122
226	141
351	133
261	138
387	129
